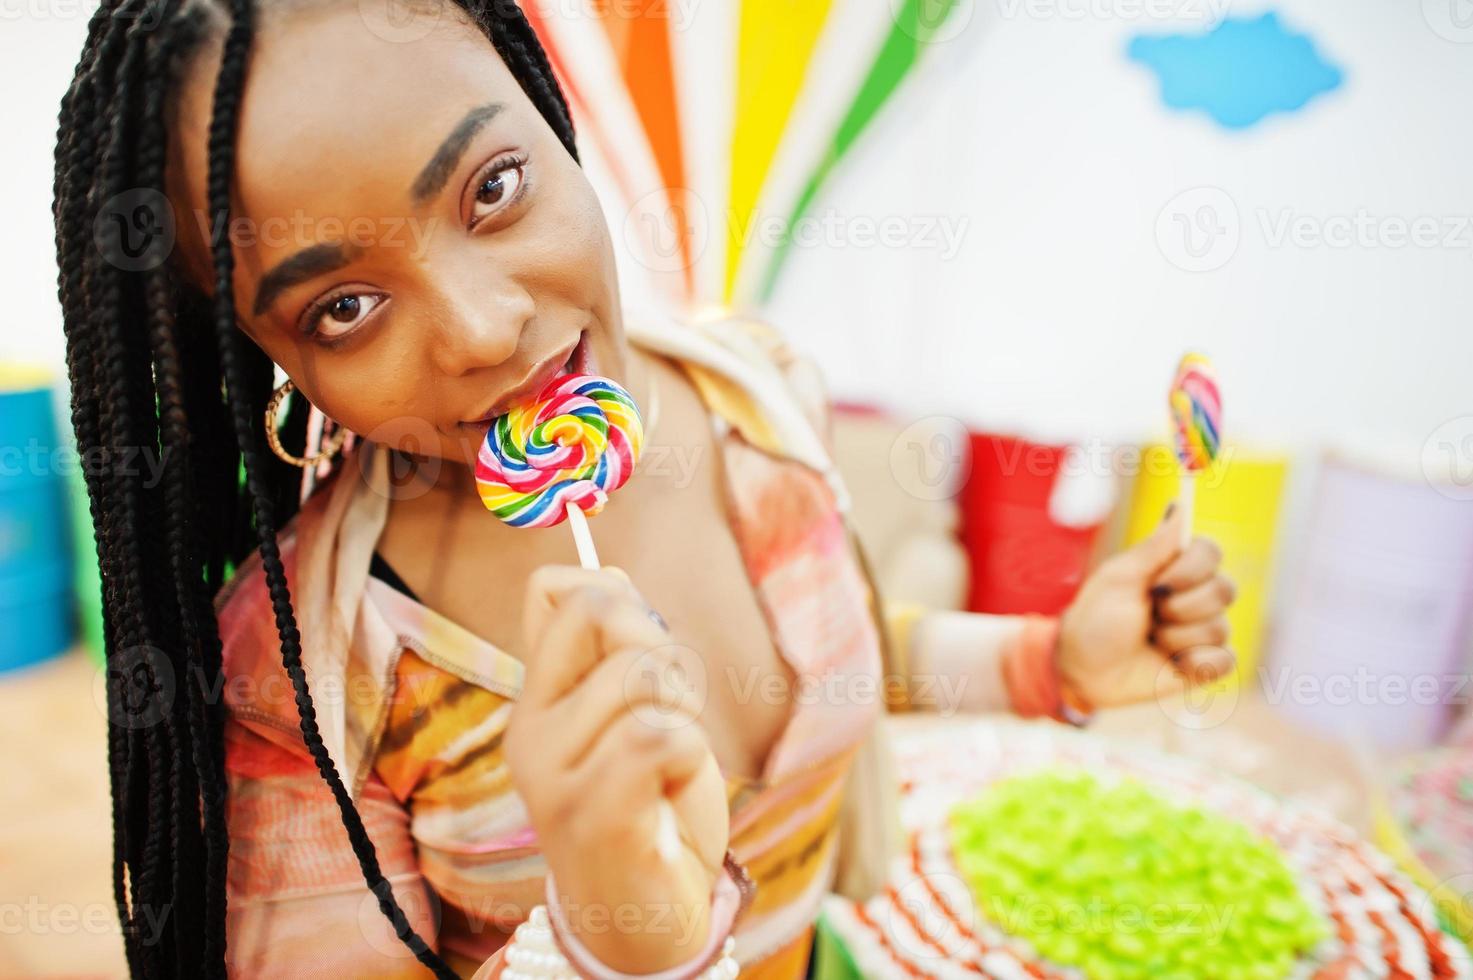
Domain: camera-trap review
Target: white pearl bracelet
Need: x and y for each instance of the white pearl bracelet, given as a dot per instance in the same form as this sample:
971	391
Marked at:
534	954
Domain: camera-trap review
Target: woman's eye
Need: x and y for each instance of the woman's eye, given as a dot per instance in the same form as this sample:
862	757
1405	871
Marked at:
341	315
497	190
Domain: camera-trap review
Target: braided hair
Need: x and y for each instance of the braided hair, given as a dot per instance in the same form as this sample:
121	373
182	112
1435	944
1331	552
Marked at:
156	365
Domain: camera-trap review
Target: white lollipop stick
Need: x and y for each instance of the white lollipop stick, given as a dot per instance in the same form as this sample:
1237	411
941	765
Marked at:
582	538
667	833
1185	498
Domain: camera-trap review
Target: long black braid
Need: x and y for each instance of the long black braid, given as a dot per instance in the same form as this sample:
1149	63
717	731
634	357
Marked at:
157	366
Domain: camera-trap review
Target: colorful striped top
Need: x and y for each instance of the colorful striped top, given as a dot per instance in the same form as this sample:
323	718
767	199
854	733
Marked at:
413	708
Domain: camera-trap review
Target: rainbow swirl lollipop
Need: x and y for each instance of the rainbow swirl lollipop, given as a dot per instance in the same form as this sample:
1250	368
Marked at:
571	446
557	458
1196	408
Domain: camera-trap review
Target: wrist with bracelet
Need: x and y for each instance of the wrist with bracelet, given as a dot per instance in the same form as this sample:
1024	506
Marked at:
1034	677
545	947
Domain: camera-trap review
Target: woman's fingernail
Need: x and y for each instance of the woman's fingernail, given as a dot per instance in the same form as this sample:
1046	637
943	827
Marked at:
1160	591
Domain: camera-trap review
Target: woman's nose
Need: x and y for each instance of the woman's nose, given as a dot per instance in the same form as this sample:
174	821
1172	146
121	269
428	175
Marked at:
480	327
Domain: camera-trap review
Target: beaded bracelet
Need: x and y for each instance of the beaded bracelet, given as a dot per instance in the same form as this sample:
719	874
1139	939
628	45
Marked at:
559	953
534	954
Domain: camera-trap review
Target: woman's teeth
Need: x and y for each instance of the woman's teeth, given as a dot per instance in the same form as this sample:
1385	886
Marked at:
570	366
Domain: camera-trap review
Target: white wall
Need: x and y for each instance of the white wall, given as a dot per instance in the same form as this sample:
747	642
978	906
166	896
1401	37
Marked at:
1061	315
40	43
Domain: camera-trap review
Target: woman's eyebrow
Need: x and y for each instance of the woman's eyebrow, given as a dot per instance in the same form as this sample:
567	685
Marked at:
435	173
327	256
304	265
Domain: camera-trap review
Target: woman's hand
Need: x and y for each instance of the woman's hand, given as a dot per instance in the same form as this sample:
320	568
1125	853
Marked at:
1153	602
595	750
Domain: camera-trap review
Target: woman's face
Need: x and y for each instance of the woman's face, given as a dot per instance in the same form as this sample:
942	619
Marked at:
414	246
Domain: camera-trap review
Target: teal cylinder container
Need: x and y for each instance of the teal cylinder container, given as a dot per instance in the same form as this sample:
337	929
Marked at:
37	619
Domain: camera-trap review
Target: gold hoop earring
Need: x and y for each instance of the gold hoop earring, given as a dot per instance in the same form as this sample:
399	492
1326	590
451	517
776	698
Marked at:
273	438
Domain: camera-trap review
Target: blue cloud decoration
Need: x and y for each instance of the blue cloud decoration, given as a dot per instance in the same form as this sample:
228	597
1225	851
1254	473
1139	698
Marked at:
1239	72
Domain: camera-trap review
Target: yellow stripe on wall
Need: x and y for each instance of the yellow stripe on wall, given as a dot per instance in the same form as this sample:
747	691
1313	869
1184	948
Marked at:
774	44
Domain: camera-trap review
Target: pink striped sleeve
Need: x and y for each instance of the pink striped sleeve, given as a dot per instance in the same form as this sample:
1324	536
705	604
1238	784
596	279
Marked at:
297	902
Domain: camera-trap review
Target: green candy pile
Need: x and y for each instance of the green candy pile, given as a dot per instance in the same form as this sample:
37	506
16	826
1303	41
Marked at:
1121	883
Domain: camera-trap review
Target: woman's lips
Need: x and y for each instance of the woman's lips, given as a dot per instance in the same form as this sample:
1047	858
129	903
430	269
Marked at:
570	359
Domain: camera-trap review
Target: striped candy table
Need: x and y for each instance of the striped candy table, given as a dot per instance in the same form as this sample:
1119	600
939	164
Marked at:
925	923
